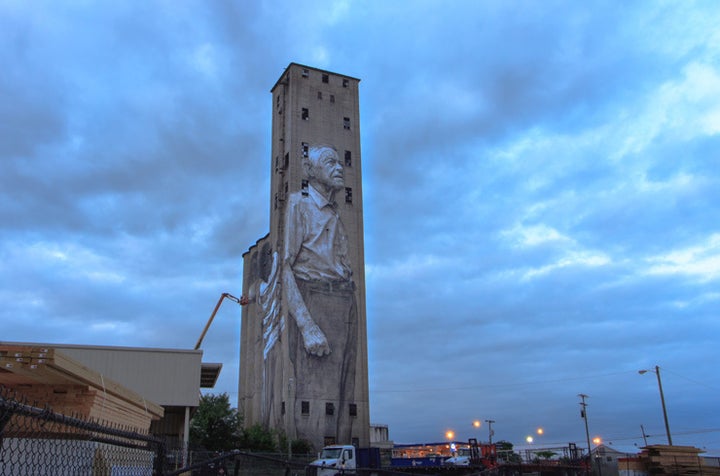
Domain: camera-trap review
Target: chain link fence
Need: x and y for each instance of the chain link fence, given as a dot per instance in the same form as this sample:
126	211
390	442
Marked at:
37	441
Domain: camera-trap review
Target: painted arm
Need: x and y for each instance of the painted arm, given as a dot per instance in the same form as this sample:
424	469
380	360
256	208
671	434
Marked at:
314	338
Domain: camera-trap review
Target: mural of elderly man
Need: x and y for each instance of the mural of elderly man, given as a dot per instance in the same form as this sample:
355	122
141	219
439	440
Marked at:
319	293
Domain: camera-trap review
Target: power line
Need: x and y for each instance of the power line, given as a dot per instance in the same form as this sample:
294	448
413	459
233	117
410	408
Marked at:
508	385
704	384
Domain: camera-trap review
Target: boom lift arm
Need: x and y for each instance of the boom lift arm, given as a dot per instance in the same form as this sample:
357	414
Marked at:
242	301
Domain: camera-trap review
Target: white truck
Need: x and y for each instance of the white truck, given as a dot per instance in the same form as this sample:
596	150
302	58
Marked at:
336	459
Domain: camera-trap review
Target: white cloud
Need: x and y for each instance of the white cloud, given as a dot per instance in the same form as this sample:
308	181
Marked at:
521	235
68	259
701	261
572	259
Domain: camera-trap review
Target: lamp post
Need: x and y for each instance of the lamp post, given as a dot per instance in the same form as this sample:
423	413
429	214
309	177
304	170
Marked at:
662	401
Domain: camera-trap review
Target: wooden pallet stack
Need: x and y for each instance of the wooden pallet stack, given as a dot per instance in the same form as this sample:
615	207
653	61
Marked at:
47	377
676	461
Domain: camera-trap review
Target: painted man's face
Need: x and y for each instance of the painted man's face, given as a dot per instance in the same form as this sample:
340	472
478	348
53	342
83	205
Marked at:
329	171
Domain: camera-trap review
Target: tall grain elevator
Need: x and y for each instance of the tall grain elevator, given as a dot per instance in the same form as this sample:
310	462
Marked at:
303	350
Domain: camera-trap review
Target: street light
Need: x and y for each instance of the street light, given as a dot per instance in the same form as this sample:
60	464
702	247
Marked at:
662	400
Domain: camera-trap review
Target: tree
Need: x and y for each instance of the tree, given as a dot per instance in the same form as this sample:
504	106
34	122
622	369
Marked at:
505	452
215	425
258	438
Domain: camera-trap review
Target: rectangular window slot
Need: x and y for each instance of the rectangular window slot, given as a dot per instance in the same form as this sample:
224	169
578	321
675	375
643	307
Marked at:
348	158
348	195
305	114
304	187
325	78
305	73
329	408
305	149
346	83
305	407
346	123
353	409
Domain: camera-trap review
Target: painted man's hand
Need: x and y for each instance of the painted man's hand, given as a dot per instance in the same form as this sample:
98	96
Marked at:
315	341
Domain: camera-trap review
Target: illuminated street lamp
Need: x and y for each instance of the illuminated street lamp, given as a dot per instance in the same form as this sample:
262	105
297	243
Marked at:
529	439
540	431
450	435
477	423
597	440
662	400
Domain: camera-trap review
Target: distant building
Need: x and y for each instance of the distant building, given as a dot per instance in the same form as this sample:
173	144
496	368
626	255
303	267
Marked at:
618	460
303	351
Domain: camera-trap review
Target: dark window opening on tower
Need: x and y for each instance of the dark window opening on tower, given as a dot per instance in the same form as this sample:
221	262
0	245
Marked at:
282	408
353	409
348	194
305	73
319	94
329	408
346	123
305	114
305	407
346	83
304	187
325	78
348	158
305	149
332	98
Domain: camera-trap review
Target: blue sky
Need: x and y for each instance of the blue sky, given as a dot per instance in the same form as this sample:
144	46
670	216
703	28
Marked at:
541	190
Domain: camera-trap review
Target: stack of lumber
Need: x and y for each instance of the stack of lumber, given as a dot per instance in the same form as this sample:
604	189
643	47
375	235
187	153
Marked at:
49	378
676	460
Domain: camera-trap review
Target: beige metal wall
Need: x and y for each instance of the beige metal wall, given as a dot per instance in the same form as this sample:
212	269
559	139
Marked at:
167	377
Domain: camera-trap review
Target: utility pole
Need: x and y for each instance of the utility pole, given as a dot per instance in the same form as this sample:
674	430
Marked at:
290	417
662	401
490	430
643	434
583	415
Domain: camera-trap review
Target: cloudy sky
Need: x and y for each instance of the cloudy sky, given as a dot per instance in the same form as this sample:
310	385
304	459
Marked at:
541	192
